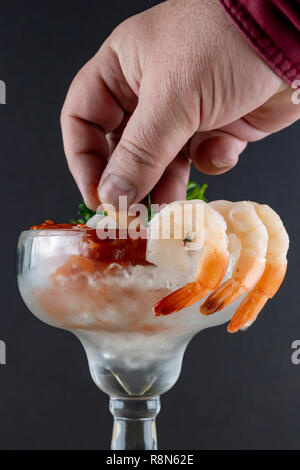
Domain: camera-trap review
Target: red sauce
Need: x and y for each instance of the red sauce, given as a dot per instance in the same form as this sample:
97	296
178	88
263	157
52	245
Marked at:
120	251
50	225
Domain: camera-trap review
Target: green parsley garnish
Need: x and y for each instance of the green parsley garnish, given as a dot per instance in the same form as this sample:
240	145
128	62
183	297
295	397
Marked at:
150	212
85	214
195	191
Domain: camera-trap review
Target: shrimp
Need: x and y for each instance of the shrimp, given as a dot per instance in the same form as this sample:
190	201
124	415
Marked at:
175	252
273	275
243	221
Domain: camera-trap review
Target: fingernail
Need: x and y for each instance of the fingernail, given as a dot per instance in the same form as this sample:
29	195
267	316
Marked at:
114	187
225	161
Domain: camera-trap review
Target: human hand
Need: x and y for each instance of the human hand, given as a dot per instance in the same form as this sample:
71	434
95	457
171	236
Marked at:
174	84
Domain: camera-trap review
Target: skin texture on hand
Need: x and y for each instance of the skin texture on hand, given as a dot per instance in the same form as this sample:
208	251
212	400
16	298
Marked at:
174	84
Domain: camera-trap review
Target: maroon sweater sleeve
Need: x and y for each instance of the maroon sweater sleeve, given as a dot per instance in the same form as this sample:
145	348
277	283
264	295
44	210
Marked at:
273	29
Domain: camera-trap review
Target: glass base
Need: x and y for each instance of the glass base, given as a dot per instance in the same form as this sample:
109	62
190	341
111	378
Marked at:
134	423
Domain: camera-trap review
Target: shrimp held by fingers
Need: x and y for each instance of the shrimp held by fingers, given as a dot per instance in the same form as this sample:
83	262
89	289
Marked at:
242	220
274	272
196	230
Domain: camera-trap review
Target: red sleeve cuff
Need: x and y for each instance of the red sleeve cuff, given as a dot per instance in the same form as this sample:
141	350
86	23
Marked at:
273	29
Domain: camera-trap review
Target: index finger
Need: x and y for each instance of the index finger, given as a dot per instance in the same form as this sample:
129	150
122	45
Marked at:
89	113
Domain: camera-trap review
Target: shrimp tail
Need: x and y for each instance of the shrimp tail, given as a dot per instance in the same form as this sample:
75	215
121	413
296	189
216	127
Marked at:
211	268
247	311
179	299
252	304
224	295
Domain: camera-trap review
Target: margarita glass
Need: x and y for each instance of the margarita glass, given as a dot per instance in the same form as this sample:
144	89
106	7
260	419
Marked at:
105	297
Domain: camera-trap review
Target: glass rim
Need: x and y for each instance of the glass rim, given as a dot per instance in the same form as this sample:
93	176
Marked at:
54	232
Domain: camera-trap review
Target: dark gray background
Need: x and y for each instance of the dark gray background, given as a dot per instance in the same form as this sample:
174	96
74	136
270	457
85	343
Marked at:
235	391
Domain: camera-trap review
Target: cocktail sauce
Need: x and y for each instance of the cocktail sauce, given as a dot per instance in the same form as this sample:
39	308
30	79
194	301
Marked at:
121	251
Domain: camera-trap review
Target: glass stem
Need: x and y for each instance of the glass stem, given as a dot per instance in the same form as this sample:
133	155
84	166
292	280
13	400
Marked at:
134	423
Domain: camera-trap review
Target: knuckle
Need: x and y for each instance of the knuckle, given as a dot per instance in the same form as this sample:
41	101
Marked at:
127	28
140	157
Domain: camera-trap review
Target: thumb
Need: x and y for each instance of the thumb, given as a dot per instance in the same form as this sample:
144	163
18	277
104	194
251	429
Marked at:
154	135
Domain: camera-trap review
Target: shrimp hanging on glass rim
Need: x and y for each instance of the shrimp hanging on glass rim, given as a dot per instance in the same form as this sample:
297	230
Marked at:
242	221
211	239
258	272
273	275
